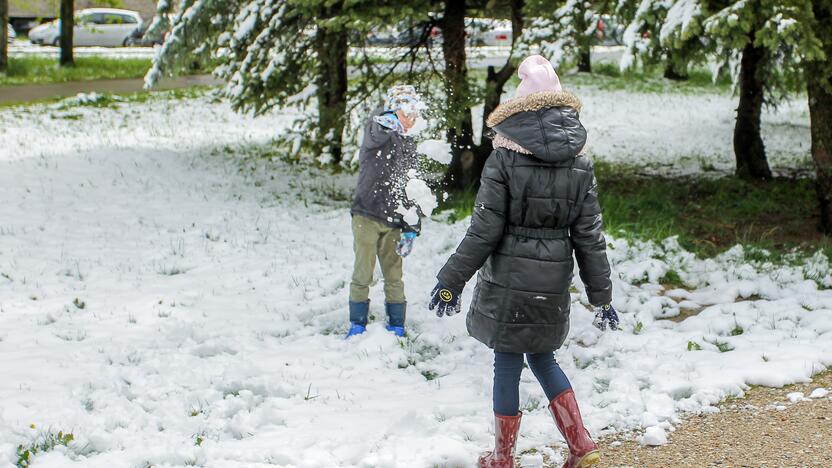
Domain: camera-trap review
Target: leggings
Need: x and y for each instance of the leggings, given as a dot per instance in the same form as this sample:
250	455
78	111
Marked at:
507	369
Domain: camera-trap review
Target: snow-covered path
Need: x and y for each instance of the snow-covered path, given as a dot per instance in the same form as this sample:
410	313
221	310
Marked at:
169	302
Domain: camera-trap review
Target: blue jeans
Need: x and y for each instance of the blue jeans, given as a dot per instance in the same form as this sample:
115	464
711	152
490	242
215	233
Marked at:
507	369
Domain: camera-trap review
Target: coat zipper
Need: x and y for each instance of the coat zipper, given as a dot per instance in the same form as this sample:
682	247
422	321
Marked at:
543	132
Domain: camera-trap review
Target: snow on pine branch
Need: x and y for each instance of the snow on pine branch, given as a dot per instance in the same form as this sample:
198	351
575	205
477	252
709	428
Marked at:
261	46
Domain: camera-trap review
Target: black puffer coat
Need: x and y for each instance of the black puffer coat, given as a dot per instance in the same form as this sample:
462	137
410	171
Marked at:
532	212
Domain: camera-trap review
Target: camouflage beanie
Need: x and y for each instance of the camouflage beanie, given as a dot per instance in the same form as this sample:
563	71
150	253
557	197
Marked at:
404	98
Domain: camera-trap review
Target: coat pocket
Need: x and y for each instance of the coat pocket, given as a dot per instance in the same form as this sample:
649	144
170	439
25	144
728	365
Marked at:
537	308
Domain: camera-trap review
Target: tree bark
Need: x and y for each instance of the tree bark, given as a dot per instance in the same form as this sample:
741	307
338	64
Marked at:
584	40
819	88
671	72
332	48
676	63
4	35
494	83
458	113
748	142
67	25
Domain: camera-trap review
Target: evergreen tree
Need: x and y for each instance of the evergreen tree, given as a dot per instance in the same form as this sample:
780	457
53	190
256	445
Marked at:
277	53
770	37
648	38
566	33
763	37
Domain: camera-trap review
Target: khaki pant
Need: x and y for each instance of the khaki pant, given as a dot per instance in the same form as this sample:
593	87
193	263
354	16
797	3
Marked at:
373	239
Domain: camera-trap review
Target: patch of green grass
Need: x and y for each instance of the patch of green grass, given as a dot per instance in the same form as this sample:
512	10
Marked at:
608	76
43	443
775	220
709	215
460	204
113	100
638	328
42	70
672	279
694	346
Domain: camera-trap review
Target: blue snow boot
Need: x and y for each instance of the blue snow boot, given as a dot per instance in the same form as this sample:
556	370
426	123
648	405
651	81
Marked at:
395	317
355	329
358	318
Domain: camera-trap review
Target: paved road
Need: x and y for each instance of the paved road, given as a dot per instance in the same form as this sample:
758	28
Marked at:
29	93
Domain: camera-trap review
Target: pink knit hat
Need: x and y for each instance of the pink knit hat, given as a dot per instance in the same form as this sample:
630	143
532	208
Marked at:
536	74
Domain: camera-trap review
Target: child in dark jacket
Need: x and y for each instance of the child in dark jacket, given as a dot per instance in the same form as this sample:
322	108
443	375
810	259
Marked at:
384	222
537	204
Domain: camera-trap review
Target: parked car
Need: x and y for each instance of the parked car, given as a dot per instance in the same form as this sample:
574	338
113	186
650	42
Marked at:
109	27
488	32
11	35
402	34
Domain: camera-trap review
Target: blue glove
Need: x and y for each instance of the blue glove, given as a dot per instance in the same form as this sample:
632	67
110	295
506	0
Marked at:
605	316
405	245
445	301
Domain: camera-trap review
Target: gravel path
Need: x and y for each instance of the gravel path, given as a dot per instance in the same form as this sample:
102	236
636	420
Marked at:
763	429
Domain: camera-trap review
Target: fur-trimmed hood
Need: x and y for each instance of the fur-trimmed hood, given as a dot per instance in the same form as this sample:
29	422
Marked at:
545	123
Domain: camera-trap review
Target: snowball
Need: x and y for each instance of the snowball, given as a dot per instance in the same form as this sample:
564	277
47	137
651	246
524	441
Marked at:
438	150
794	397
419	192
819	393
531	460
410	215
653	436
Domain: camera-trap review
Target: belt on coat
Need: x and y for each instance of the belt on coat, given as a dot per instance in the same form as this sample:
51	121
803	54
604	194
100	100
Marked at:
538	233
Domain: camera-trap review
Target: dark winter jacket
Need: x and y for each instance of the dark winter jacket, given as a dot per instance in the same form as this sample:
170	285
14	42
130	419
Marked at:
531	213
384	161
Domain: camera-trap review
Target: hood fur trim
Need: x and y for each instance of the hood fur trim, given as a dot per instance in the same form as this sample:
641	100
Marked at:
533	102
504	142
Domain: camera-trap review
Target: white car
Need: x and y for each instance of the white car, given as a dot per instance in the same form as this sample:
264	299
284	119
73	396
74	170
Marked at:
488	32
109	27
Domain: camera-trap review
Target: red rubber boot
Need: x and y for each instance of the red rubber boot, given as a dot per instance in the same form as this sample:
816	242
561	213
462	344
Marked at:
583	452
505	438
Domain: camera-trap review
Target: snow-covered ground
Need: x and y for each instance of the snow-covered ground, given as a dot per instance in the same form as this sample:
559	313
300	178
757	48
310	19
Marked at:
171	301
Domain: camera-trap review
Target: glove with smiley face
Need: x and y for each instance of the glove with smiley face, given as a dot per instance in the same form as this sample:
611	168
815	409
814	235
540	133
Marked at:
445	301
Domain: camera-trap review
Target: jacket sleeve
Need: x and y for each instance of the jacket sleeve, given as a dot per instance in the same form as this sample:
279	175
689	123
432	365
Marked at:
591	247
487	225
375	135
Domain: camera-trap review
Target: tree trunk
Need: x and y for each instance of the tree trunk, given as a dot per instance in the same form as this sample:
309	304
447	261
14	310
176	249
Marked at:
458	112
672	72
494	83
332	47
676	60
583	40
67	25
748	143
4	35
820	115
819	87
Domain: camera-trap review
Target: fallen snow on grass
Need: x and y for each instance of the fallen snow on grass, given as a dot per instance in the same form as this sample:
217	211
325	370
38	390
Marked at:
168	301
